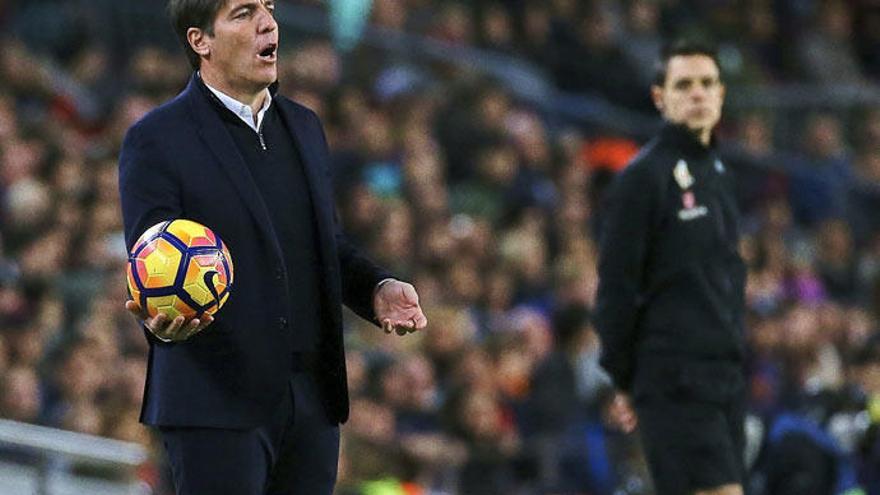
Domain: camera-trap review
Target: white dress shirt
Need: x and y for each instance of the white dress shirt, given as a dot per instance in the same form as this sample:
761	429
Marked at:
244	111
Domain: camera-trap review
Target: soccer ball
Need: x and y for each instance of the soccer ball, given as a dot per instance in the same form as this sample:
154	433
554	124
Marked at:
179	268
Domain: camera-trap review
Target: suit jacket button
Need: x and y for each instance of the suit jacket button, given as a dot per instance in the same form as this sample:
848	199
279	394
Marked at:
282	322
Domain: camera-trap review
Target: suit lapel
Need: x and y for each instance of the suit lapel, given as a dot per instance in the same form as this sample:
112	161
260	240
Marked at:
220	142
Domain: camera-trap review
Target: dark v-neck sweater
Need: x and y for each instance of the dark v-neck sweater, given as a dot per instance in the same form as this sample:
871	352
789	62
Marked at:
276	167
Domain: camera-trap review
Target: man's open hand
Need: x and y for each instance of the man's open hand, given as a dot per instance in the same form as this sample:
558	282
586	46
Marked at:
396	305
176	330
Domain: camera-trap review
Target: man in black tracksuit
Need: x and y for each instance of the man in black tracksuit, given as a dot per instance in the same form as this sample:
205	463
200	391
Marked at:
671	291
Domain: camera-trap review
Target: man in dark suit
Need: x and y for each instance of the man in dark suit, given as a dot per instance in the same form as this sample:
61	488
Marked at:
252	404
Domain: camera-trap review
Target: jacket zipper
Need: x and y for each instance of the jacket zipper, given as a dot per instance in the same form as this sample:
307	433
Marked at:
260	135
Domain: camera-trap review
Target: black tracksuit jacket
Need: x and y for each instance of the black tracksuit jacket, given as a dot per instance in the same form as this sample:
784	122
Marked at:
671	281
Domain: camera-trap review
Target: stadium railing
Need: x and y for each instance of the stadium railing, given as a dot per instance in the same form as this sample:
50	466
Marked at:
46	461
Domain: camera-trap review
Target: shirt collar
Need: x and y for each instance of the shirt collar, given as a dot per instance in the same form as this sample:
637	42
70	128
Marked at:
687	140
243	111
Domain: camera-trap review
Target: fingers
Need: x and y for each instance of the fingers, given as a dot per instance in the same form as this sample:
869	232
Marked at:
404	326
387	326
135	309
157	323
166	330
403	329
176	330
420	320
415	323
191	328
400	327
206	320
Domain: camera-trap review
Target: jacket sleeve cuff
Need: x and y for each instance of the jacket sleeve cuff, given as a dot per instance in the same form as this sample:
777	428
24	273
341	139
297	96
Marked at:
381	283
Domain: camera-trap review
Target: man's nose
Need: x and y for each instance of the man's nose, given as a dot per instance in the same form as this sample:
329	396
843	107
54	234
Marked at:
267	21
698	92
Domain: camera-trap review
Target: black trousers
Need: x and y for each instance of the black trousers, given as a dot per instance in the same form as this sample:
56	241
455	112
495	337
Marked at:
297	452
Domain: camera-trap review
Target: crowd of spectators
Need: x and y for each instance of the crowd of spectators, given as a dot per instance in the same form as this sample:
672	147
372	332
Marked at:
491	210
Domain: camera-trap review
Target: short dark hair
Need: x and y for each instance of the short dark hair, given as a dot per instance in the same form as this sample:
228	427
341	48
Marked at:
199	14
683	46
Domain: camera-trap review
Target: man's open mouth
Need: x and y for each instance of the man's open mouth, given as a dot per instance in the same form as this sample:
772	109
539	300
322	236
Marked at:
268	53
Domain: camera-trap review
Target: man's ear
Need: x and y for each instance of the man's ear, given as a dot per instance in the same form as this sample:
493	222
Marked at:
199	41
657	97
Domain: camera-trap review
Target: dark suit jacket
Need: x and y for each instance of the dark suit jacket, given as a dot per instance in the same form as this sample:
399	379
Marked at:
180	161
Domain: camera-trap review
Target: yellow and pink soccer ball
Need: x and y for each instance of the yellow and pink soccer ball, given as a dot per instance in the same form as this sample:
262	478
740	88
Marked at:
180	268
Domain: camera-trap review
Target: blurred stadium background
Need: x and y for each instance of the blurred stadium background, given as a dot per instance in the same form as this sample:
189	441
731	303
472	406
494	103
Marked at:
471	144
